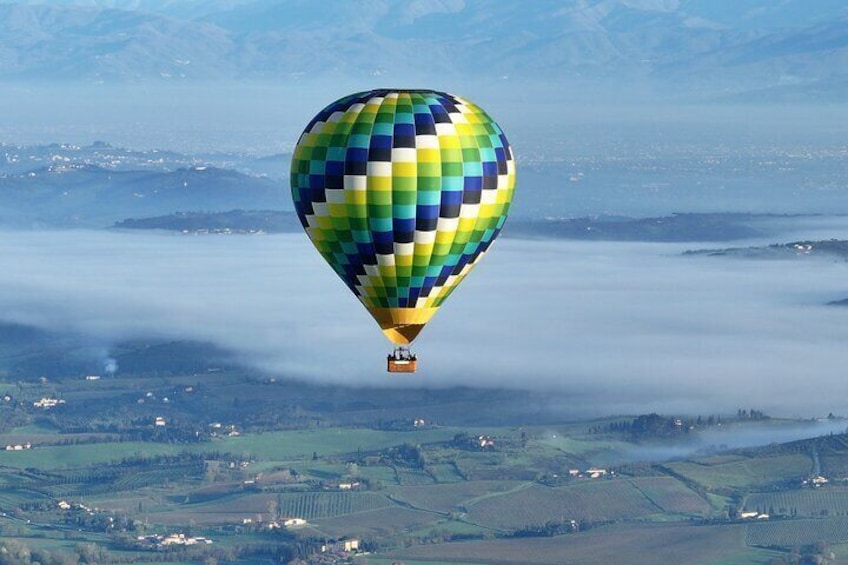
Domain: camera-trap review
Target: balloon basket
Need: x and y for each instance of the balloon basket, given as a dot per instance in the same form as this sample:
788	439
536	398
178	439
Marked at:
401	360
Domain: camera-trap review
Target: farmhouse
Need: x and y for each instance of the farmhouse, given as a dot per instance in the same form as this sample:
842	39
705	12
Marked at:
347	546
19	446
173	539
485	441
48	402
289	522
348	486
816	481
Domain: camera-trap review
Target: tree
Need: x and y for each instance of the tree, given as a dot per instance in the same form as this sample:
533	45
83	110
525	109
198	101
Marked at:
272	509
14	553
88	552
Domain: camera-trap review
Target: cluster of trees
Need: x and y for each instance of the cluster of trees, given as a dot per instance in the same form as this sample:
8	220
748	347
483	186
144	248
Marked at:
649	425
407	455
818	553
548	529
655	425
12	413
751	414
13	552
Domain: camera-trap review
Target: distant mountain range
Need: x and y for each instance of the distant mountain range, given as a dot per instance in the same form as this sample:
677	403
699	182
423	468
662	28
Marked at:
63	195
21	159
833	249
231	222
793	49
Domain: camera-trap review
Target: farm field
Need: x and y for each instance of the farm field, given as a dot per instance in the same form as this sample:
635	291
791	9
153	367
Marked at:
820	502
382	522
792	533
672	496
588	501
635	544
451	497
296	444
260	507
748	473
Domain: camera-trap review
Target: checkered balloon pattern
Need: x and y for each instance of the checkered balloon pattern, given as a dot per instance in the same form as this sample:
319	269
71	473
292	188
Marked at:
402	192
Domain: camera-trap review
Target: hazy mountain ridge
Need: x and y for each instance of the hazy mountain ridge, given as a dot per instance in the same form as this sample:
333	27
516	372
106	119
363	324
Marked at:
90	196
673	45
674	228
834	249
233	221
21	159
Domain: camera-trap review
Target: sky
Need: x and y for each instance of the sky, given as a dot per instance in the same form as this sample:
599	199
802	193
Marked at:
605	328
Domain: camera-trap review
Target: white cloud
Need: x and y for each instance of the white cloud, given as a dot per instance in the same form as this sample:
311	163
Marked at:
603	327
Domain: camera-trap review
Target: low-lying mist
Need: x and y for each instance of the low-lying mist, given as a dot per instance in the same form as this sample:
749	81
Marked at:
722	438
607	327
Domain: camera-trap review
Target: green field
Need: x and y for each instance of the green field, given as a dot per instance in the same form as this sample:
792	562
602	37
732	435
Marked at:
746	473
269	446
586	501
825	501
73	456
300	444
382	522
451	497
792	533
672	496
634	544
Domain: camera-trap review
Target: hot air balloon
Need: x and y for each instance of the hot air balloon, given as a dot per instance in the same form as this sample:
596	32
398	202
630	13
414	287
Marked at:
402	192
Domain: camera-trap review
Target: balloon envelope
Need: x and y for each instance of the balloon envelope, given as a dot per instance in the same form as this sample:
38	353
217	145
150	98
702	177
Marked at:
402	192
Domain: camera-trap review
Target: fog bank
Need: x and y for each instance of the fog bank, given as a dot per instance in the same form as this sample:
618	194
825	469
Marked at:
608	327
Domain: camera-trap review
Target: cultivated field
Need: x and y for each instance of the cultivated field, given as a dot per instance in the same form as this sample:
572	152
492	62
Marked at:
588	501
451	497
744	473
634	544
376	523
825	501
672	496
796	533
